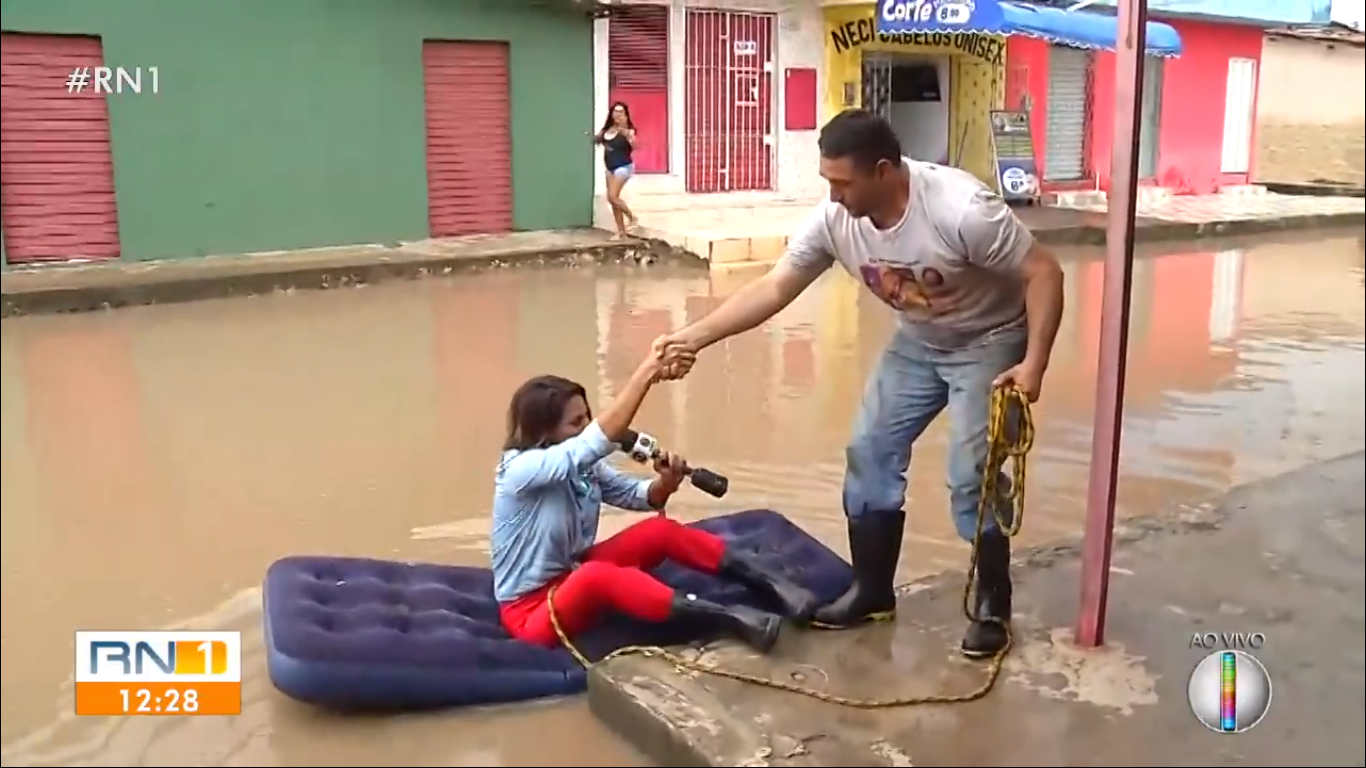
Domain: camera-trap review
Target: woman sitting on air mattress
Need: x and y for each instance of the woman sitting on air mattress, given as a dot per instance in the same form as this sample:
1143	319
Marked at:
551	484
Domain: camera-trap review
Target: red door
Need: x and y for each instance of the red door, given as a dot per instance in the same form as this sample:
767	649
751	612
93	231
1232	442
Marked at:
638	73
729	136
56	171
469	150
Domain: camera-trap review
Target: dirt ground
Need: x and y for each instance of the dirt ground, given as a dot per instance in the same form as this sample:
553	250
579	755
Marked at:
1297	152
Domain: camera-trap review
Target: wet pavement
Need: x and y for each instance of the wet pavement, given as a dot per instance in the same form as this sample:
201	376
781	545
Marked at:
157	459
1289	553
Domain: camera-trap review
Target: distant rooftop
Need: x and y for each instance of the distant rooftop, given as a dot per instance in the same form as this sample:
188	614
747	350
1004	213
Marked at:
1327	33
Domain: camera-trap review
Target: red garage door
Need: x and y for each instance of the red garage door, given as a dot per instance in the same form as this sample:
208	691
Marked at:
638	70
729	135
469	150
56	171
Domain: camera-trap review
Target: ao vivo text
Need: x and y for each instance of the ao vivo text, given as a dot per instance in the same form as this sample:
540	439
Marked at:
158	673
1228	641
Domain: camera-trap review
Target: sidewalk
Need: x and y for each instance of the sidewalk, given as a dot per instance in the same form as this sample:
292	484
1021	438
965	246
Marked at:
1282	557
73	288
743	228
1193	218
81	287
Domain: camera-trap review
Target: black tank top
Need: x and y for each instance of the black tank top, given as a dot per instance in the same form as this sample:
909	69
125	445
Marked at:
616	152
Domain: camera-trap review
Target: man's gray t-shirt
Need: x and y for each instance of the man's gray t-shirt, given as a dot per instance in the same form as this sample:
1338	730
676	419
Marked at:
950	267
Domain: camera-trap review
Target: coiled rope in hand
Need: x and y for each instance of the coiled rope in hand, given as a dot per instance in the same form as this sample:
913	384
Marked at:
1010	436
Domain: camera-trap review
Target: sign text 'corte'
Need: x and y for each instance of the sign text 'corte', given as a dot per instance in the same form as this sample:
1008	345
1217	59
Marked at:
926	11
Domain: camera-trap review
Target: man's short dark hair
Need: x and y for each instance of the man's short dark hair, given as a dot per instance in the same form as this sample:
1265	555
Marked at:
863	137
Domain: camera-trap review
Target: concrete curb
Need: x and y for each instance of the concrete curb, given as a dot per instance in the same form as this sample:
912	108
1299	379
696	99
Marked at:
1158	230
1314	189
673	740
88	287
62	289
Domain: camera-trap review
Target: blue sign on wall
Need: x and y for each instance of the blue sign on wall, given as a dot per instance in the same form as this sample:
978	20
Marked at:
993	17
1262	11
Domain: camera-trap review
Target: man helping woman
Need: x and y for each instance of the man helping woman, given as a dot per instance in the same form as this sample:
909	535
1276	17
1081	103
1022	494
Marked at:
979	303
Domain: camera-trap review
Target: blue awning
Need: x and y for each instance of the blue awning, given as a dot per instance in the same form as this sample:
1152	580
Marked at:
1075	28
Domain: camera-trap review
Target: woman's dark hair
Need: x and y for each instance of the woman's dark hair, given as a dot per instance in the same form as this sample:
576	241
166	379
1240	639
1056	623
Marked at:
537	409
606	124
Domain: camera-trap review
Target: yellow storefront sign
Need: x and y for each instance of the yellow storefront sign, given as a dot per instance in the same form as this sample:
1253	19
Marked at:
976	67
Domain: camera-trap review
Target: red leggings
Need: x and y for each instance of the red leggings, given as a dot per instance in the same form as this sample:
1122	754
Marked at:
613	576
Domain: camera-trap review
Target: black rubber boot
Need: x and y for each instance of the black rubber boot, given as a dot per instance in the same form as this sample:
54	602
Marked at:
795	601
986	638
875	547
755	628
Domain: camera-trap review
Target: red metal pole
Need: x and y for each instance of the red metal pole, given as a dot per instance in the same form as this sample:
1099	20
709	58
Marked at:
1114	327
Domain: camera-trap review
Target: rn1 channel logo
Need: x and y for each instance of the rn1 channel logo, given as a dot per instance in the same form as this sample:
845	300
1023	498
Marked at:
134	657
158	673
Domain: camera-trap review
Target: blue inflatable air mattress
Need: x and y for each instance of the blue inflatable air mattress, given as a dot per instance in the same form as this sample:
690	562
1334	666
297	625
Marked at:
359	634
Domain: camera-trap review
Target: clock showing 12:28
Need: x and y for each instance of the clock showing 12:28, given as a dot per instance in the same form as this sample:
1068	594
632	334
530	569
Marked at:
158	673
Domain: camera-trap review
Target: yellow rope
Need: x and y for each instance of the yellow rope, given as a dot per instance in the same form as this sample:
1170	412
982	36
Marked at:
1007	404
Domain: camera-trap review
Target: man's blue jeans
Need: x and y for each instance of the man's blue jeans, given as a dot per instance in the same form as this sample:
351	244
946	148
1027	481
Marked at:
910	386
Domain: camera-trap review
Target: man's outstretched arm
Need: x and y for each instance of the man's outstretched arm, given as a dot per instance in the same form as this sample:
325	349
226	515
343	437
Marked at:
809	253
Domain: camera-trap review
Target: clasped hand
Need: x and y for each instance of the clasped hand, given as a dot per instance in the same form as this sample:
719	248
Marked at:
675	356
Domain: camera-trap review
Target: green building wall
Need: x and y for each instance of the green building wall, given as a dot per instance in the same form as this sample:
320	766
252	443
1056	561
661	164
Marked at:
299	123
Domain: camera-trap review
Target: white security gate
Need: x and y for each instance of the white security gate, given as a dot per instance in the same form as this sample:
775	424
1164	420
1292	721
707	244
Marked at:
1239	97
1064	156
877	85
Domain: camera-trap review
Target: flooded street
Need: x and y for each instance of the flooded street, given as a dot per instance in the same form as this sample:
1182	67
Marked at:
156	460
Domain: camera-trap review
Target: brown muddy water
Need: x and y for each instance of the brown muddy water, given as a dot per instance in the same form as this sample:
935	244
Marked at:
156	460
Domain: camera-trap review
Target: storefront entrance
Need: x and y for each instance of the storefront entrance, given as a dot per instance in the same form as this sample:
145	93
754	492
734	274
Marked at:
912	92
936	88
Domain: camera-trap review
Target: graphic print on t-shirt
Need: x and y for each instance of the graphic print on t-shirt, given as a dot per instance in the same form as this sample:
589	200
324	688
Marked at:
899	287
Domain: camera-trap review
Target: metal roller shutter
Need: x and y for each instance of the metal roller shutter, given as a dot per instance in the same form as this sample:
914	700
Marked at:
1150	117
638	74
1065	140
56	171
469	148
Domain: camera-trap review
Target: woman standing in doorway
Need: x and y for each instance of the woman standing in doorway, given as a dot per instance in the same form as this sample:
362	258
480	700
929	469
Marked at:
618	140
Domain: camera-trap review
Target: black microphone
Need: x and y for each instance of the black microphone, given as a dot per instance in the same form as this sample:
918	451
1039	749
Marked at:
644	448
